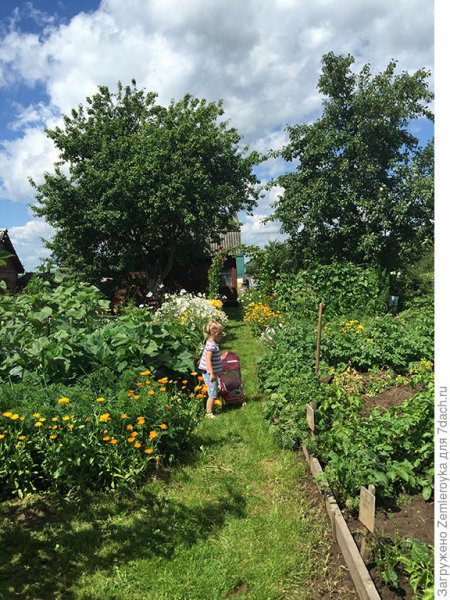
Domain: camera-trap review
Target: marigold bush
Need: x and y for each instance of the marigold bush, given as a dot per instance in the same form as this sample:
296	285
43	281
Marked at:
86	441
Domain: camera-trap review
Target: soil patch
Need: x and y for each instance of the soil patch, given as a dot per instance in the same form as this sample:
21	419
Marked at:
392	396
335	581
414	518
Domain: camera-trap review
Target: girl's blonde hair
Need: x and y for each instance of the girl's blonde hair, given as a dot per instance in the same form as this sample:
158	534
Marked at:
212	328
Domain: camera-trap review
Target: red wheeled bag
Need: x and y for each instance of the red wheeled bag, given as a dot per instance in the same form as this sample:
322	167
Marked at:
231	388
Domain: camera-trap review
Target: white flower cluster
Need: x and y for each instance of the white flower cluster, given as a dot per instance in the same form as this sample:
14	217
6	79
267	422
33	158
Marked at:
190	310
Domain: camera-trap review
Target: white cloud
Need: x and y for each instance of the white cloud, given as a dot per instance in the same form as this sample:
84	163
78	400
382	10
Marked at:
27	242
262	57
27	156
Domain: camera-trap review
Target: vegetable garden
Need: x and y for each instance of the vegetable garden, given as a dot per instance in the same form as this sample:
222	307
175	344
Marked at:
373	396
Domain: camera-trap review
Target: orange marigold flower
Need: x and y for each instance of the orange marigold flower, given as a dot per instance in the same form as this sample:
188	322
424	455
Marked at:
150	392
194	373
131	439
53	436
152	435
137	445
163	380
129	427
113	442
149	451
105	417
184	381
144	373
123	416
106	438
21	438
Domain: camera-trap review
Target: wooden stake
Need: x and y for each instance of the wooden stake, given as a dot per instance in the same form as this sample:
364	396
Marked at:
319	331
367	517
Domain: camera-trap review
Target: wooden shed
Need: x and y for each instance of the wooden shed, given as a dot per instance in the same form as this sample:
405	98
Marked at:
13	268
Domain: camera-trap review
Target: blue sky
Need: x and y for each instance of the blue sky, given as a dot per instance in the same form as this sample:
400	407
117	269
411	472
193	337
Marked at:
262	57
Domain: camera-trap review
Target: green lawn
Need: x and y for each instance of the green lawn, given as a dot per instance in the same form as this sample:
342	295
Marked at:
232	521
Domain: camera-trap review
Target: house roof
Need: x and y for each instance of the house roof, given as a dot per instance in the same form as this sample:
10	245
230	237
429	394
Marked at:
6	244
228	240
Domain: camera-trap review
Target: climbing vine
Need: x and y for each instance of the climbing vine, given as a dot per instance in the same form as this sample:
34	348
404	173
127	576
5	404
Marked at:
217	265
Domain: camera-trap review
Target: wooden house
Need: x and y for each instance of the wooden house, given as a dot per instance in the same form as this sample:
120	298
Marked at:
10	272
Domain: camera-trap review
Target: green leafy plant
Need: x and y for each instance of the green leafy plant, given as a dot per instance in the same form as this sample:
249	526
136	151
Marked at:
409	556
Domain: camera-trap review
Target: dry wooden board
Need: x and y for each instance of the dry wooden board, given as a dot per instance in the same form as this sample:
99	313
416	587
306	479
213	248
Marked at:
367	507
310	411
361	578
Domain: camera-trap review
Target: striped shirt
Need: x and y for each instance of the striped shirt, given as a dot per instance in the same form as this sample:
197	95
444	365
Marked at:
216	360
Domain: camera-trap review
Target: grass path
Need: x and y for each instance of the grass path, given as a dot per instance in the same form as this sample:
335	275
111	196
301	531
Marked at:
233	521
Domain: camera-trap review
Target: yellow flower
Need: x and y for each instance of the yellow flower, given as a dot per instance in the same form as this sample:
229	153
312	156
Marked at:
105	417
191	395
55	427
66	418
370	339
152	435
194	373
38	424
131	439
9	414
21	438
53	436
106	438
129	427
14	417
163	380
150	392
21	418
144	373
139	385
113	442
63	400
101	399
140	420
123	416
136	397
217	402
163	426
42	419
149	451
71	426
137	445
184	382
162	389
148	382
2	436
54	419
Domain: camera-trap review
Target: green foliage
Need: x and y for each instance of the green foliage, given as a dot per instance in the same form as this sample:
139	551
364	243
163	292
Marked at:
3	256
384	341
363	188
147	185
267	264
409	556
97	433
343	288
392	449
61	332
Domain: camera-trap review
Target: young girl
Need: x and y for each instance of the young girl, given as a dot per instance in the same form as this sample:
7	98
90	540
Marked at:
211	364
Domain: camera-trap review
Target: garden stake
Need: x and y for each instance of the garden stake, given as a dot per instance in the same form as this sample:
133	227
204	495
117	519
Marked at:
319	330
367	518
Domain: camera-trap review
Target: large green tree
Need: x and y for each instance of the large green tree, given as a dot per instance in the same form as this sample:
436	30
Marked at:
363	187
139	186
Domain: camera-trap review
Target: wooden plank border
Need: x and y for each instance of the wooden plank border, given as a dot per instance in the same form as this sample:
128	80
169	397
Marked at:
361	578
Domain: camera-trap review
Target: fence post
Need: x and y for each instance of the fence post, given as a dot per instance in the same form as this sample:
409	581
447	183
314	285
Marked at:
319	331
